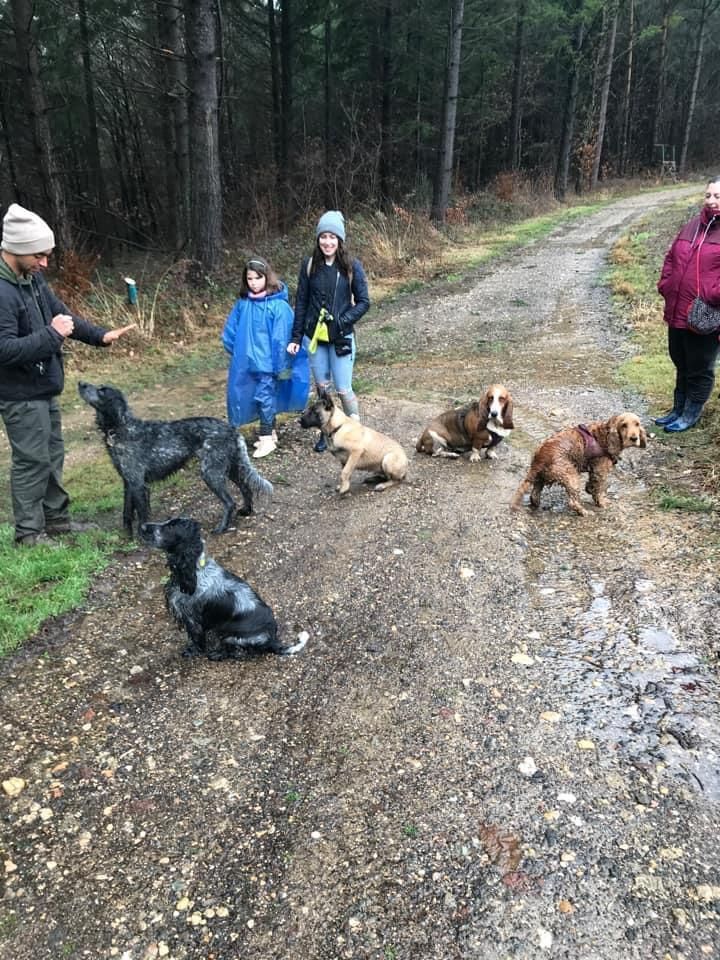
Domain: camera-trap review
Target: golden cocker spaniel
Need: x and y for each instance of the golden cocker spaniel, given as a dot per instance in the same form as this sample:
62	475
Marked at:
592	448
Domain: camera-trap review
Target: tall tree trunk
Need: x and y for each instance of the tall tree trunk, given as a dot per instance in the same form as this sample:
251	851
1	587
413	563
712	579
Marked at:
657	129
562	171
443	178
36	105
205	186
414	53
97	178
386	42
175	121
286	105
588	137
274	82
8	152
706	8
518	68
327	98
624	145
605	92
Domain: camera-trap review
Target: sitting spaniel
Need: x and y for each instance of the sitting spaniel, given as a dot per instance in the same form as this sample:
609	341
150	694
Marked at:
592	448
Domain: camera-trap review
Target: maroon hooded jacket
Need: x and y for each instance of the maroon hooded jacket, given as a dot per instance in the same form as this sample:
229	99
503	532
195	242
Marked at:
695	250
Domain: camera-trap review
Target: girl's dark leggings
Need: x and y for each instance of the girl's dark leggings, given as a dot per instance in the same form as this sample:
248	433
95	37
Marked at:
694	356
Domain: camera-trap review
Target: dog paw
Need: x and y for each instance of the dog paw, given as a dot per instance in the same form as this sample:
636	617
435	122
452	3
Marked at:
491	455
474	456
191	651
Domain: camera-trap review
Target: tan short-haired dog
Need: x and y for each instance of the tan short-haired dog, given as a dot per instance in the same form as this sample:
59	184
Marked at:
477	426
592	448
357	447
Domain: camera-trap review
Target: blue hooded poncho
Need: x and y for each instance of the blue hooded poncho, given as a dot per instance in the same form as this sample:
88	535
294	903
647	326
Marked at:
256	335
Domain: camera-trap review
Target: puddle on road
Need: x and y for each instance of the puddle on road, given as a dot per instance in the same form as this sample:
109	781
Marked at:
639	690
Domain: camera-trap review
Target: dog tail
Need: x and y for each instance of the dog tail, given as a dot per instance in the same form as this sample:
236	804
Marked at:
258	484
302	639
520	492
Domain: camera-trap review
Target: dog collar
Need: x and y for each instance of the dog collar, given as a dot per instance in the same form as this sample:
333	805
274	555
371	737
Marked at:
333	432
202	560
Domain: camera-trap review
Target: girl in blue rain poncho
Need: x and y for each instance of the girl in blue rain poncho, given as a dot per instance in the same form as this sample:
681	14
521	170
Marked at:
263	379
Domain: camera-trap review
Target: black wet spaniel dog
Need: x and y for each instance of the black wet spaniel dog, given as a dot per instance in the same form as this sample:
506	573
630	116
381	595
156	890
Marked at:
222	614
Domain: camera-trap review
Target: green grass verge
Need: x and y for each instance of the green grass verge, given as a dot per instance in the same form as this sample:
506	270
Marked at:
37	583
668	499
43	581
636	261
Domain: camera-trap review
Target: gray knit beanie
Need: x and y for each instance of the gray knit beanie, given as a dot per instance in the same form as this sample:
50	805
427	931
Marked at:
331	222
25	233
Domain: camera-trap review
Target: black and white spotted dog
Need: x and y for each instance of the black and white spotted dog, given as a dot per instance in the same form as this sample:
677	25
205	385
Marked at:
143	451
222	614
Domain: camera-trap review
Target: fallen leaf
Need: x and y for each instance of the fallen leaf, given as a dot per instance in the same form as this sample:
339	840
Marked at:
564	906
585	745
707	892
502	848
521	882
550	716
14	786
522	658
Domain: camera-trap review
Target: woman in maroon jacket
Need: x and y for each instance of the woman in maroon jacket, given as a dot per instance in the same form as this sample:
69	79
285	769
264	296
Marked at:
692	269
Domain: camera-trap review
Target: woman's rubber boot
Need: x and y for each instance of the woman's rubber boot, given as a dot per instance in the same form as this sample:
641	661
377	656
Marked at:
690	416
321	445
675	413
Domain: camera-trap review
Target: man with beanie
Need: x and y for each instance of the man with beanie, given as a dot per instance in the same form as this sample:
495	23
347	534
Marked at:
33	326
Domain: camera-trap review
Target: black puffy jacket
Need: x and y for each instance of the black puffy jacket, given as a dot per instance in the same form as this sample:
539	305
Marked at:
31	363
327	287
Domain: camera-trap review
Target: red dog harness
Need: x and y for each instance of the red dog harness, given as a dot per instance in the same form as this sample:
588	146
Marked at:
593	450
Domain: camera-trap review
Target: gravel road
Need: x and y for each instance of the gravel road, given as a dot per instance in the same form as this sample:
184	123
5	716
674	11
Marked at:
502	740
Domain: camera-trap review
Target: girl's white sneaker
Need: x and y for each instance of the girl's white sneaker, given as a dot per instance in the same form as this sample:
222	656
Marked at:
274	436
265	446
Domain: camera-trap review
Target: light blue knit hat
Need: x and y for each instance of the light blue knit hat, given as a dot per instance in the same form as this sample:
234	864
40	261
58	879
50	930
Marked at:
332	221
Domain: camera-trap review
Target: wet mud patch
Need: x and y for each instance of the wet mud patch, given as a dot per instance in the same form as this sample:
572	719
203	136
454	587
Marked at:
634	642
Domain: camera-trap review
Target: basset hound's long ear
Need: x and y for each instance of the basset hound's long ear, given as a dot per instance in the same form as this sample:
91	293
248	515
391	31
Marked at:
643	437
484	407
508	413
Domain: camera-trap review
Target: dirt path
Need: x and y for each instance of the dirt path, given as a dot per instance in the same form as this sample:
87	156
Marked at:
501	741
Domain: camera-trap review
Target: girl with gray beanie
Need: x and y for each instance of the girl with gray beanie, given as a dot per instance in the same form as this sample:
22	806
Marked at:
332	295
